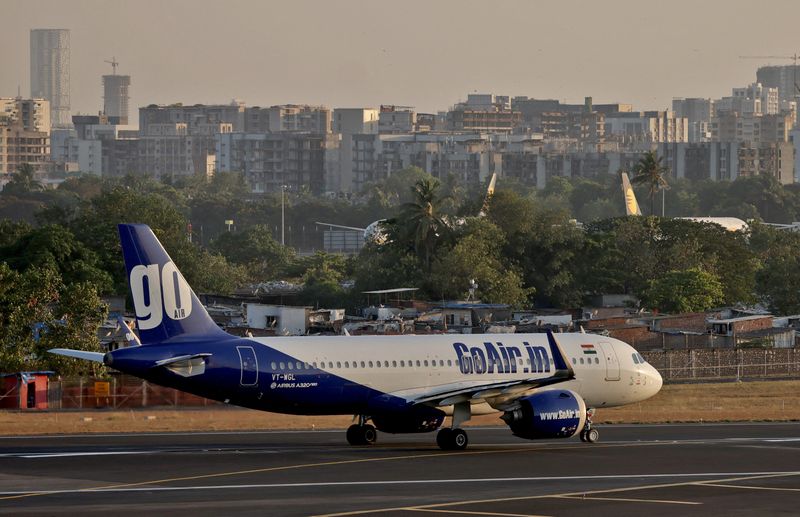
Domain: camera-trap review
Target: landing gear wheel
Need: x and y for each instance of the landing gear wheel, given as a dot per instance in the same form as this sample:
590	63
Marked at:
361	434
443	438
452	439
583	435
592	435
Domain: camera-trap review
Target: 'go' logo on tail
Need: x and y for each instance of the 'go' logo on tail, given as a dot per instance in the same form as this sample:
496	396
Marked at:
168	287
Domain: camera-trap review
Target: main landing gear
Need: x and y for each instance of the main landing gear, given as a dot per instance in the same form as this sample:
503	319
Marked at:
361	433
452	439
589	434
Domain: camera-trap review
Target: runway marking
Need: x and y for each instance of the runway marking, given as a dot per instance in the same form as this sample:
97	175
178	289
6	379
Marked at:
376	483
550	496
465	512
779	489
624	499
73	454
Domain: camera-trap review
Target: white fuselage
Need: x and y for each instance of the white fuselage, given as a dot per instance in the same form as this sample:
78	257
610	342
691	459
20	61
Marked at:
608	372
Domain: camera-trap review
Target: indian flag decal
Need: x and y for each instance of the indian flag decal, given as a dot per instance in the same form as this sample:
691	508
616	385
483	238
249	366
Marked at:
589	349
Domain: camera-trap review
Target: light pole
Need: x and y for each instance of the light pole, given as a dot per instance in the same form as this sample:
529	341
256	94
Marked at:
283	216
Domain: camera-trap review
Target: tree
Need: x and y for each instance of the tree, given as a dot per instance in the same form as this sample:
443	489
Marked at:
421	220
688	290
322	280
649	171
256	250
476	254
23	181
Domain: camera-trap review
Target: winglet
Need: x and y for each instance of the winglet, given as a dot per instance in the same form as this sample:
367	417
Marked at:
559	360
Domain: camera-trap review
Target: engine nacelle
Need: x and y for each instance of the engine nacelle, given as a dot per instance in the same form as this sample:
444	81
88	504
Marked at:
547	414
420	419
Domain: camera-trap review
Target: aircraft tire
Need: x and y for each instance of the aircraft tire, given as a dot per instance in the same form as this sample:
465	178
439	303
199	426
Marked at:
458	440
592	435
354	435
443	438
583	435
368	434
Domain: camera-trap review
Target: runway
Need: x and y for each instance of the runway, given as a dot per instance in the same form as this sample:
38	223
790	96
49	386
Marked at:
693	469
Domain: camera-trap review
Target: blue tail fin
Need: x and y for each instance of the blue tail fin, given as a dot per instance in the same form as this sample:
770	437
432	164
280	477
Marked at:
166	307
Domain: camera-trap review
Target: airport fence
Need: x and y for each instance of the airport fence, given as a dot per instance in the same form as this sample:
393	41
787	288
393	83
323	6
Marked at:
725	364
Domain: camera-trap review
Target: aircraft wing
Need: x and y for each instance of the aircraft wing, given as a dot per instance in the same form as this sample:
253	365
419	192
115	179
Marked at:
78	354
453	394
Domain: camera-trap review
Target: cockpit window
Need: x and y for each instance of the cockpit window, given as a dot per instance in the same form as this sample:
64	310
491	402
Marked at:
641	359
635	358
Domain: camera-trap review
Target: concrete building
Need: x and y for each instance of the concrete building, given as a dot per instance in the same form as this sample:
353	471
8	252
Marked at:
731	126
784	78
646	127
532	110
396	120
698	113
195	117
484	112
726	161
31	114
270	161
50	70
116	96
348	122
19	146
287	117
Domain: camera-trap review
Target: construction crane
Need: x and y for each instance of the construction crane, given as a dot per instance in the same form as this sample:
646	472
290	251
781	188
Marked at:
114	63
793	57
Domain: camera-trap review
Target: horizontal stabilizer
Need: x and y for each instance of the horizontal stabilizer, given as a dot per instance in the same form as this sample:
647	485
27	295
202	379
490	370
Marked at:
185	365
79	354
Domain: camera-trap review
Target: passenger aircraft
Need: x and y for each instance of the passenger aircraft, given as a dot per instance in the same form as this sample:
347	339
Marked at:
544	386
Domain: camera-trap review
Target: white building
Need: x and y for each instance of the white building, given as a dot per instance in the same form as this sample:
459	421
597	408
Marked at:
32	114
284	320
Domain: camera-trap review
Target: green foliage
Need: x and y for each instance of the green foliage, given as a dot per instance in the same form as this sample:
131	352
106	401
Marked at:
476	254
65	316
422	224
651	172
688	290
255	249
322	279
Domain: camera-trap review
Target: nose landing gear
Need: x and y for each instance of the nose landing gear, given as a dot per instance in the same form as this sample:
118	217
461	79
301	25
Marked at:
589	434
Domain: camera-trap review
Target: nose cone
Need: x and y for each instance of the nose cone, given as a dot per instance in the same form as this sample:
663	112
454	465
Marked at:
657	381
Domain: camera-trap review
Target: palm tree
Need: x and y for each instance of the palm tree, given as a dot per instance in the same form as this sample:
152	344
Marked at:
649	171
421	219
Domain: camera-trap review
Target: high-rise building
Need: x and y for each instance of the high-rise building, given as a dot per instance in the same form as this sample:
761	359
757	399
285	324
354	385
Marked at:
115	96
50	72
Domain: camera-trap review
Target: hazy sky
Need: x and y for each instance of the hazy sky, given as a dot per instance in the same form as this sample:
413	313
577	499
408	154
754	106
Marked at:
427	54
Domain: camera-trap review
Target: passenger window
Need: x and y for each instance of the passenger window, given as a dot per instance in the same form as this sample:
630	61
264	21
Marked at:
363	365
574	361
596	360
402	364
581	360
386	364
330	364
283	365
347	364
299	365
449	362
441	362
291	366
378	364
418	364
425	362
273	365
394	364
370	364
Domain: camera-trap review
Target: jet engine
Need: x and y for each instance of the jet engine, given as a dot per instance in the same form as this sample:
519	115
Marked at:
547	414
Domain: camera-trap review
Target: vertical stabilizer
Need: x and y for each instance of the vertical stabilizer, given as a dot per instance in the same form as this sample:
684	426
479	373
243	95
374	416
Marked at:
631	205
166	307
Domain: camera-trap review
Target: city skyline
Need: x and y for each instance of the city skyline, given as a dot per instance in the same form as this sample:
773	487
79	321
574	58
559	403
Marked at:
428	56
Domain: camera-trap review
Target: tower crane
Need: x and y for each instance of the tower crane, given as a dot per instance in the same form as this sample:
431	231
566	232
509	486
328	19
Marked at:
794	57
114	63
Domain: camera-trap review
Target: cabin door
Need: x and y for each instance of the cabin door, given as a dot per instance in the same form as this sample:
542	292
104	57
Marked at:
610	358
249	366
